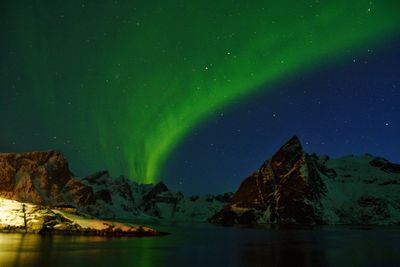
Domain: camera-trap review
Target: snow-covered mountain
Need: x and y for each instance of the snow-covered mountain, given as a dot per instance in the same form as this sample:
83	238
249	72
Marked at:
296	188
292	187
125	199
44	178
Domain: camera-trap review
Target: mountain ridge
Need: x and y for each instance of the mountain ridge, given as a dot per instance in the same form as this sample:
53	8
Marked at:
292	187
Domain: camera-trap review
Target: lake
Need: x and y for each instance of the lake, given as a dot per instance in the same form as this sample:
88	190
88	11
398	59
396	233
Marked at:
208	245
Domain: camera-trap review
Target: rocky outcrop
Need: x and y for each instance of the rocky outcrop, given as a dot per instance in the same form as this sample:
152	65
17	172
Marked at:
34	177
22	217
41	178
284	190
294	188
78	193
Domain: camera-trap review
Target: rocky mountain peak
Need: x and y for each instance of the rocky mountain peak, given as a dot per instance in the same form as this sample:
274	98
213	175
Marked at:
280	190
288	157
292	145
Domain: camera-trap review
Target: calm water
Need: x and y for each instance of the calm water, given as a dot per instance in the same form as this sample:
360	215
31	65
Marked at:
206	245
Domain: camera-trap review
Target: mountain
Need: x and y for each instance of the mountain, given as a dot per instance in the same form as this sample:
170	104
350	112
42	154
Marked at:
295	188
123	198
41	178
44	178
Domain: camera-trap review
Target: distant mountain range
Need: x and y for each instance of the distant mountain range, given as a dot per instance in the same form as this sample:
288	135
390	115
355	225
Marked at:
292	188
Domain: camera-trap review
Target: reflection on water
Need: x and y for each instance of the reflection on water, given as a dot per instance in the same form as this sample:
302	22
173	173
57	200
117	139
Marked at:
205	245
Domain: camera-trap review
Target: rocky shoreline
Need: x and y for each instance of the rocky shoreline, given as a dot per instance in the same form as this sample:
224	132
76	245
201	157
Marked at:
19	217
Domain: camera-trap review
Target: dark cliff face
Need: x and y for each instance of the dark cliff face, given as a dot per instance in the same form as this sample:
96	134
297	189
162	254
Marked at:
40	178
284	190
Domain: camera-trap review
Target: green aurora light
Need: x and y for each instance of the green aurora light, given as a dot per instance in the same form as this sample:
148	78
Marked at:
126	82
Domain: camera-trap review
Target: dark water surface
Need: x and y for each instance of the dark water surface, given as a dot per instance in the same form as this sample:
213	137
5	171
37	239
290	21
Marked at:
207	245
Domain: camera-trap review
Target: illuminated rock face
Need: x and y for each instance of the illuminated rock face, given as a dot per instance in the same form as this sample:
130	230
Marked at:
41	178
296	188
22	217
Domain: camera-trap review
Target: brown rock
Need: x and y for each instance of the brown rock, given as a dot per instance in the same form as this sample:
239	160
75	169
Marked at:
78	193
41	178
283	190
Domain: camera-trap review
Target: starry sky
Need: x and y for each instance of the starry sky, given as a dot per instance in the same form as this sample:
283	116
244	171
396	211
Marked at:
198	93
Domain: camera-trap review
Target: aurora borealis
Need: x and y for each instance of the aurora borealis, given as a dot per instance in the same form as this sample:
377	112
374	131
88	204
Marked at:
119	85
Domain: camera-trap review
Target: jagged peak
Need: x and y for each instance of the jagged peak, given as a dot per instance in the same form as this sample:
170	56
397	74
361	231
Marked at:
293	142
292	147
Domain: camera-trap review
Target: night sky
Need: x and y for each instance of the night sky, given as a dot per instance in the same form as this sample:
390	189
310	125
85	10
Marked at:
198	93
